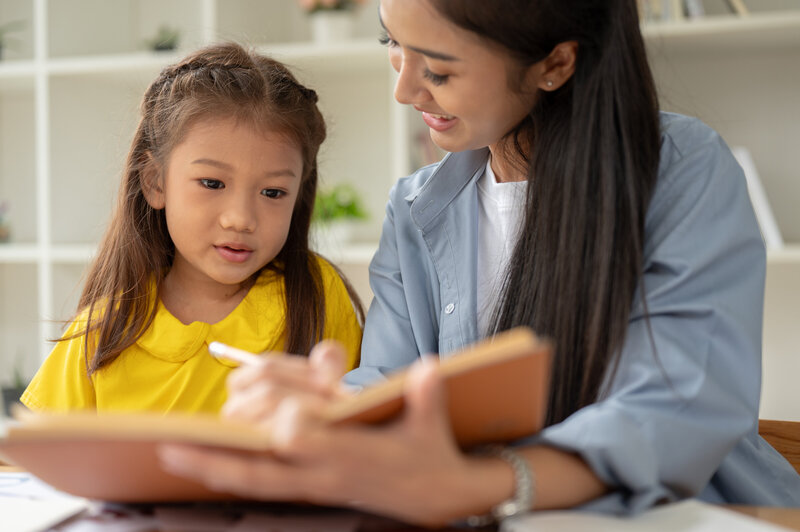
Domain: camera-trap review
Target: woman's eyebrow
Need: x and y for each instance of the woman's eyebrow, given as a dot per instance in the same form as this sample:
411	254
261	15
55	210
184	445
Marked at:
428	53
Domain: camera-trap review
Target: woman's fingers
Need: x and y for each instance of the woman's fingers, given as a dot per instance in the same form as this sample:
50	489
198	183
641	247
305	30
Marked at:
239	474
426	403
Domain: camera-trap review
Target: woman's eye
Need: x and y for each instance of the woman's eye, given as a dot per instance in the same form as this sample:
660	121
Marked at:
385	40
273	193
213	184
436	79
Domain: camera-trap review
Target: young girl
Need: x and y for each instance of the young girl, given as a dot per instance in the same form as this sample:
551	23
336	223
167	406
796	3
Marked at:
209	242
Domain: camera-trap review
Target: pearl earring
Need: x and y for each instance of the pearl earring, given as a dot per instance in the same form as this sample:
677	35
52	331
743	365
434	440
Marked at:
549	82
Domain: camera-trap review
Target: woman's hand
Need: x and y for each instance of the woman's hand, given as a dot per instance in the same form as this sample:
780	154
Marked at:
410	469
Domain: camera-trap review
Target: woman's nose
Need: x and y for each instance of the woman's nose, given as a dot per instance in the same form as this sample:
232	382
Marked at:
408	88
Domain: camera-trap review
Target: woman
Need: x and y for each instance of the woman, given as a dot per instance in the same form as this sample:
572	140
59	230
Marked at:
624	235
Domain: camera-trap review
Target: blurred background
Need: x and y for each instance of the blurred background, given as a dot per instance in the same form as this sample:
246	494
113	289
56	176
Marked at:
72	73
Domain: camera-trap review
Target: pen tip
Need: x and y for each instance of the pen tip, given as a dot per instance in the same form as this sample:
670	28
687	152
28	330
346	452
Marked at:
216	348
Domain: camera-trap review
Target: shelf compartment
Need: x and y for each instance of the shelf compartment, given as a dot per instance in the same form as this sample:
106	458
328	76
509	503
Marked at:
68	281
726	34
21	40
118	27
18	163
358	150
19	321
86	168
259	22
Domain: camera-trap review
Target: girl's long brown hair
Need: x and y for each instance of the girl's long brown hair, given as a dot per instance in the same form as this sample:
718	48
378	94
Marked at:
224	80
578	261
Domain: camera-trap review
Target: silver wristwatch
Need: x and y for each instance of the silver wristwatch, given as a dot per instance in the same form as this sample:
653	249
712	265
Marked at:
521	501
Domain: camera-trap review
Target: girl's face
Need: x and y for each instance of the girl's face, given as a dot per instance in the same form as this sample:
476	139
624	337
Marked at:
459	83
228	194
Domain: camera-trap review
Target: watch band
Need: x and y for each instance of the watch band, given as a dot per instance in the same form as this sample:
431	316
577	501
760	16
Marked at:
524	484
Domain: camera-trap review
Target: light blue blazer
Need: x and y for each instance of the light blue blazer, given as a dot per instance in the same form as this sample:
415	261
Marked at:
704	267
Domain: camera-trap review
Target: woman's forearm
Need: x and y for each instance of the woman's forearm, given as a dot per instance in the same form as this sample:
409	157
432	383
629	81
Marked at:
562	480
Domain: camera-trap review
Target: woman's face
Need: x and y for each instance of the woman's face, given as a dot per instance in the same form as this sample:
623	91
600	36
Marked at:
459	83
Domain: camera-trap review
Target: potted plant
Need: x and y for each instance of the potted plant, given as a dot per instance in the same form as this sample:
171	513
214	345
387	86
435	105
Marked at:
331	20
5	226
166	39
5	30
13	390
336	212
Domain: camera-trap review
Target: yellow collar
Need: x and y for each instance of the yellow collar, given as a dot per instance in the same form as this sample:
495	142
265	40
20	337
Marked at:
254	325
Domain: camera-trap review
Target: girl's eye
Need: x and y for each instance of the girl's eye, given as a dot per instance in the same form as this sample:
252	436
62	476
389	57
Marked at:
273	193
213	184
436	79
385	40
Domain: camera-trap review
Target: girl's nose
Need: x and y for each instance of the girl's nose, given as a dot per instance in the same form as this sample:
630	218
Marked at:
238	215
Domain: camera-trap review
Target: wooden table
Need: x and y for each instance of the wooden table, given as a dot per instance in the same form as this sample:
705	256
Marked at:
785	517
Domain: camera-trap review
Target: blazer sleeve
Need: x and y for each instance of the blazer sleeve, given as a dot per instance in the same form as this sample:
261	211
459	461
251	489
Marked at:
61	383
688	383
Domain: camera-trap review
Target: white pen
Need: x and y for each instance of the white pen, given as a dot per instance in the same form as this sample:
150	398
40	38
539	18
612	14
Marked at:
244	358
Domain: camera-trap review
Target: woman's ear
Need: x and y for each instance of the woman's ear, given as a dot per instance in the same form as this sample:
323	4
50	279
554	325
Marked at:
152	186
556	69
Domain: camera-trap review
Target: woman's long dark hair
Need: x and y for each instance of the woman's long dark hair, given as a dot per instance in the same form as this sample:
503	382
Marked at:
591	173
222	80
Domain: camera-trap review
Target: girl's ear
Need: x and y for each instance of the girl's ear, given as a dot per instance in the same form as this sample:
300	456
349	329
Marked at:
152	187
558	67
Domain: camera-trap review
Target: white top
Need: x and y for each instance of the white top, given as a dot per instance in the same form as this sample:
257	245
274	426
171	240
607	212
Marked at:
500	212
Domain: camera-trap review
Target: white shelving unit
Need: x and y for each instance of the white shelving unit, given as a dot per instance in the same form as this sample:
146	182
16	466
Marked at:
68	108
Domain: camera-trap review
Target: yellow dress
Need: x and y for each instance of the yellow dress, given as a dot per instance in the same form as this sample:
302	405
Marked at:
170	369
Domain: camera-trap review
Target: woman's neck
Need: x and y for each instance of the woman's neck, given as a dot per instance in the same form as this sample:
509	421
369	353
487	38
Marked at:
506	170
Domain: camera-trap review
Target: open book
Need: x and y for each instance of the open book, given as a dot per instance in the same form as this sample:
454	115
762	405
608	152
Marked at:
496	391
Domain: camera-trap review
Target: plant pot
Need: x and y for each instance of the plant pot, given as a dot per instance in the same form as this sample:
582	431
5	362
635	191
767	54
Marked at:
329	26
11	396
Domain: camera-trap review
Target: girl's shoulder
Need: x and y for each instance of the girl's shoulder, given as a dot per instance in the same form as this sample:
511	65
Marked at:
329	274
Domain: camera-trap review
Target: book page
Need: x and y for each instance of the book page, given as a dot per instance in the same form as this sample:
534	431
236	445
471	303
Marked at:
687	516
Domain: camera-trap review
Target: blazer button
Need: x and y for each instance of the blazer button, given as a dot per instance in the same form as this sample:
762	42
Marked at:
449	308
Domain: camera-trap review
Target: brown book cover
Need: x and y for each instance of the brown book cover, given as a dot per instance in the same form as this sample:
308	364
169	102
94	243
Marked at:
496	391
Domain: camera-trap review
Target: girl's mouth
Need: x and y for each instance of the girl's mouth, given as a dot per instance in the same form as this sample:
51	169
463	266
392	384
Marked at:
234	253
